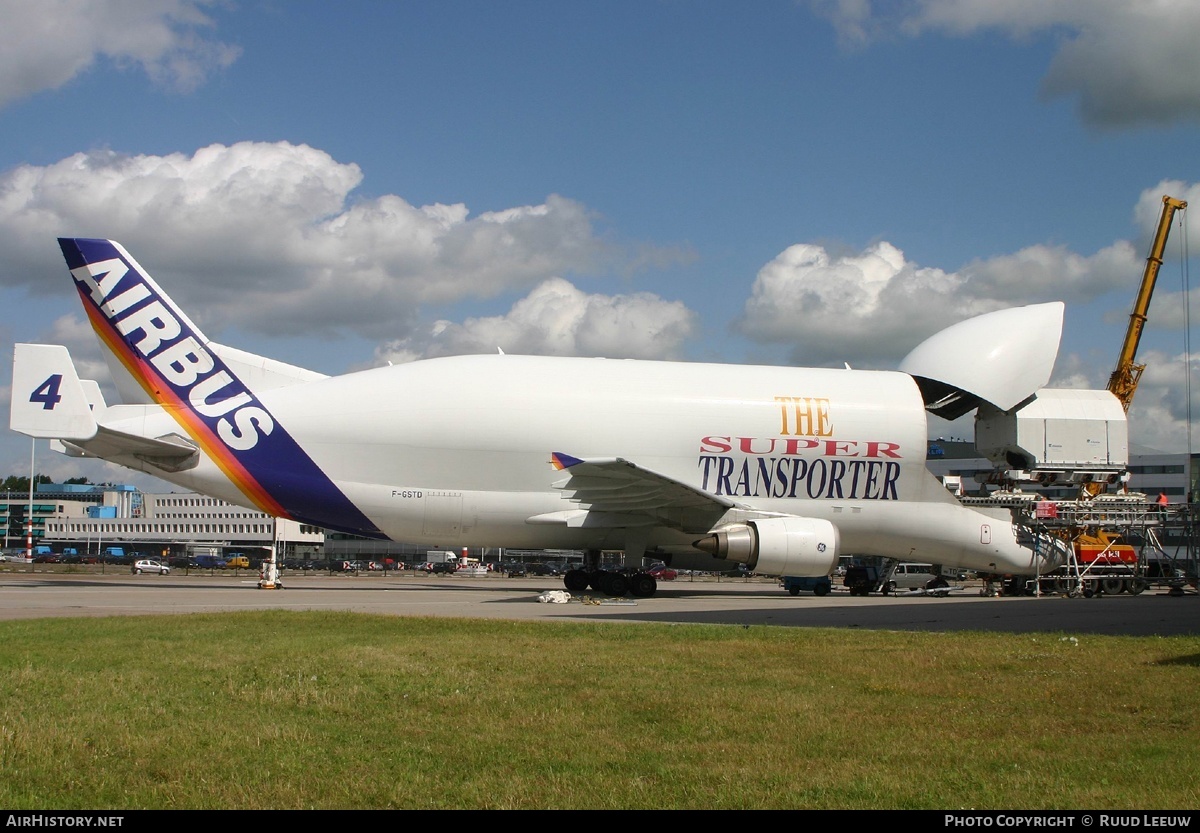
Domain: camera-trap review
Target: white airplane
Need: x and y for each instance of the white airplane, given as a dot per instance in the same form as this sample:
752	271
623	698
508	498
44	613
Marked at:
702	466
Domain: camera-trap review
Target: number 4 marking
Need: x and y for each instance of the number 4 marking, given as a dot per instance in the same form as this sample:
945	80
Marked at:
47	393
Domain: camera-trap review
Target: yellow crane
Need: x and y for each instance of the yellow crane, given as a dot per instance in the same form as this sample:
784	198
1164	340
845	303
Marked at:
1124	380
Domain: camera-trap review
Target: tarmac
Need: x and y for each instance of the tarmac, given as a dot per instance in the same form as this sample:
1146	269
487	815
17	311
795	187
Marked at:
27	593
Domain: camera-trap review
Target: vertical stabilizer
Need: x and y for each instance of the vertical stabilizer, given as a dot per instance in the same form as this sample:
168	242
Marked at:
48	399
165	360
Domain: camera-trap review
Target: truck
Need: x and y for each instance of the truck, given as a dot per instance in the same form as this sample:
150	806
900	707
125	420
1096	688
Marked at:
440	561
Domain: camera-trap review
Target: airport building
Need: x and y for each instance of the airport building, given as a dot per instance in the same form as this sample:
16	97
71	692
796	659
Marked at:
90	518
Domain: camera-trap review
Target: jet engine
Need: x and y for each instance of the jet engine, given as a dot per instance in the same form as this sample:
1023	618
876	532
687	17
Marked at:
777	546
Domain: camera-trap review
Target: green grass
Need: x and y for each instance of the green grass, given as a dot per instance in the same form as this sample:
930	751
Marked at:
337	710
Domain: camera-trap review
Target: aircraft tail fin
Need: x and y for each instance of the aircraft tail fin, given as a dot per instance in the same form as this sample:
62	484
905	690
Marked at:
150	344
48	398
213	393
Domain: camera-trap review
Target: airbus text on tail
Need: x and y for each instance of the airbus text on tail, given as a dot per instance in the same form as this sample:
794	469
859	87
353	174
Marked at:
171	361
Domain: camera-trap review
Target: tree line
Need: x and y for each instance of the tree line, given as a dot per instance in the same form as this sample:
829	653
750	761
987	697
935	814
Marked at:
19	483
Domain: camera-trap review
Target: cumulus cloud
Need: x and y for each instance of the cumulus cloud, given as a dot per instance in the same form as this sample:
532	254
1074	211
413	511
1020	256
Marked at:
46	43
1162	411
558	319
267	235
1125	62
872	307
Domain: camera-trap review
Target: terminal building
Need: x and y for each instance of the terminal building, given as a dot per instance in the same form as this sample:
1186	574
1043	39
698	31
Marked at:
90	518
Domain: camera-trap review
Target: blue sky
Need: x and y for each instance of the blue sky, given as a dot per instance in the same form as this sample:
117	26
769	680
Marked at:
812	183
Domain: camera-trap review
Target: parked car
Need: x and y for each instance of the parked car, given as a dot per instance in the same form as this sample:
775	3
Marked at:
662	572
149	565
516	571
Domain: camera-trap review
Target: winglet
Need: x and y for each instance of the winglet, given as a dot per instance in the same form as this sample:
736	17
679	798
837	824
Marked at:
562	461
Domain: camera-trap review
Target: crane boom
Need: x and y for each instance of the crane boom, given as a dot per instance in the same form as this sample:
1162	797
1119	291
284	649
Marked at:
1124	379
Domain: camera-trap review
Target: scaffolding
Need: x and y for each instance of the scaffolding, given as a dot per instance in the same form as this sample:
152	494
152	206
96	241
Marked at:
1119	544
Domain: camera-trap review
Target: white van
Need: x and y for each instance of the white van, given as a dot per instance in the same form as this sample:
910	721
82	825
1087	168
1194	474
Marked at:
910	575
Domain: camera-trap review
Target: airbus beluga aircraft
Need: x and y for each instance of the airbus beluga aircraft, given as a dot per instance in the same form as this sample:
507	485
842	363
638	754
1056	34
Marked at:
703	466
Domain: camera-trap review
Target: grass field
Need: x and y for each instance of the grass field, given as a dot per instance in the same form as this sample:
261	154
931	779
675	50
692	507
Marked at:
280	710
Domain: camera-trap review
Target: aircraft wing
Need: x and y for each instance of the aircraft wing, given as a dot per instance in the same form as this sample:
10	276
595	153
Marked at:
613	492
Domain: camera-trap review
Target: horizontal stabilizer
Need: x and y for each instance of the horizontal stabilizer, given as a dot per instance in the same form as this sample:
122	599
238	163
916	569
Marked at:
48	399
169	453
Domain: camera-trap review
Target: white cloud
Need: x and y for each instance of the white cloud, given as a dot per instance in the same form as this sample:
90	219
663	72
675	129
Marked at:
558	319
1041	272
866	309
46	43
266	235
1127	61
1159	415
872	307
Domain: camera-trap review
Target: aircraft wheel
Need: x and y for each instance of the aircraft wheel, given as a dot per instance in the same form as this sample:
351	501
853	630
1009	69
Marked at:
576	580
616	585
643	585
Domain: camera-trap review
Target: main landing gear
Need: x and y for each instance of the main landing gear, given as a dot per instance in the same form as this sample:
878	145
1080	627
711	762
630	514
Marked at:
611	582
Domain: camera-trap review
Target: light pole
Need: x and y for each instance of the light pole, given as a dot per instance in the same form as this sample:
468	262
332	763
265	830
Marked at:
29	515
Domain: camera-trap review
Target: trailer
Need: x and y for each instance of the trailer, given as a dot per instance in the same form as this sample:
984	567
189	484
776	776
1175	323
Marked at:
817	585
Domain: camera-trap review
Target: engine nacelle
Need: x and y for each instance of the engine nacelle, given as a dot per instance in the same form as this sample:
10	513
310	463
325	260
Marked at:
778	546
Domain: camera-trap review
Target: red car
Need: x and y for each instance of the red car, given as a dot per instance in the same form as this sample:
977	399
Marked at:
661	572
